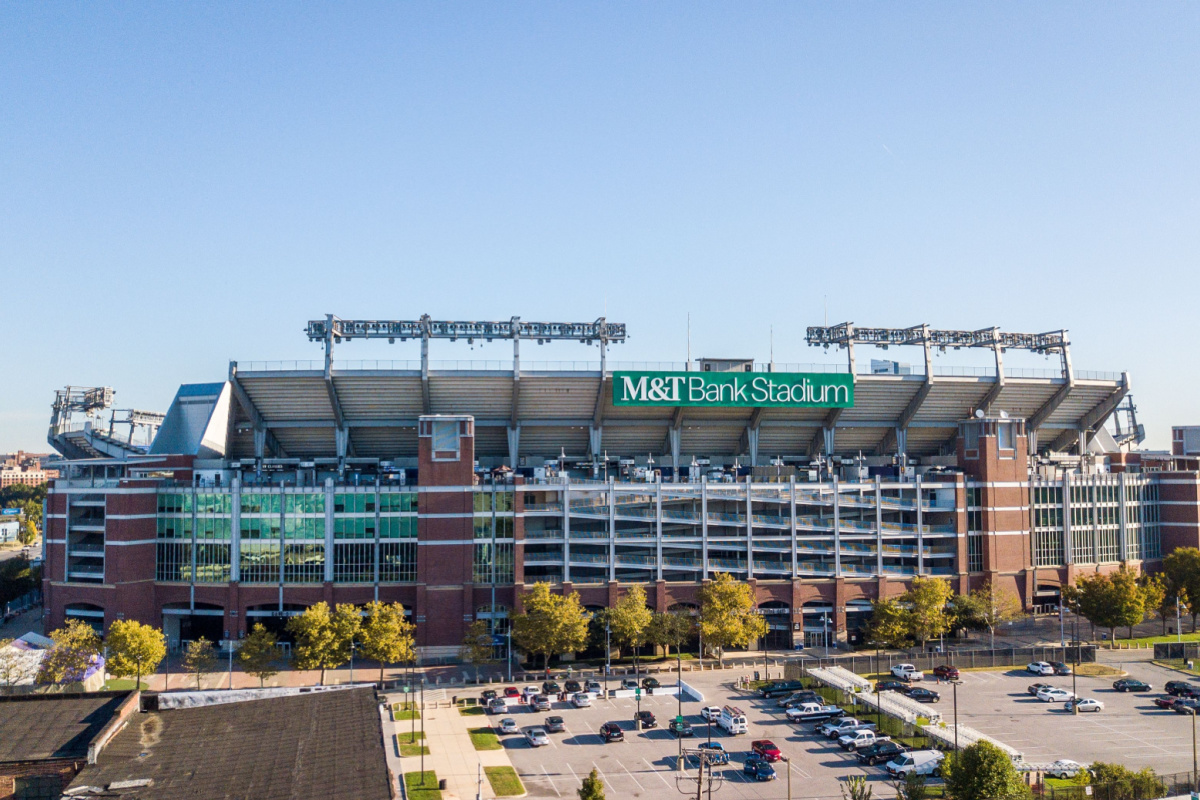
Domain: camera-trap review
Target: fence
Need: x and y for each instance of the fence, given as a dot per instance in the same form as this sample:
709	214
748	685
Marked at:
966	659
1176	651
1140	788
23	603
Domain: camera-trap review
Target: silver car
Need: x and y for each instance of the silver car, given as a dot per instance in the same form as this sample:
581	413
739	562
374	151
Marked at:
509	725
581	700
536	736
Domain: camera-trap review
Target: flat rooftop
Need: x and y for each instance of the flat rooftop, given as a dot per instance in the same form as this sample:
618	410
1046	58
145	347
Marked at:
47	726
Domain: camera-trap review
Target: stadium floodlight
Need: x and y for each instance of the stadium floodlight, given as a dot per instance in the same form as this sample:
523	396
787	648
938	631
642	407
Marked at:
847	333
339	329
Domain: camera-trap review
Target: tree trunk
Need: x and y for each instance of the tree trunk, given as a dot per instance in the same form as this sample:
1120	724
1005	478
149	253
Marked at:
322	676
381	675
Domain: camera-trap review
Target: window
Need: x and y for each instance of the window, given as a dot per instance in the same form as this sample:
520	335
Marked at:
353	563
261	503
309	503
397	502
173	561
260	562
303	563
493	562
445	438
355	527
260	528
974	552
354	503
1004	435
212	563
398	528
304	528
1048	548
397	562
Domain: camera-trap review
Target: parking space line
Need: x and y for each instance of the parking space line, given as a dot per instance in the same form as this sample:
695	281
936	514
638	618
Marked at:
630	774
551	780
656	772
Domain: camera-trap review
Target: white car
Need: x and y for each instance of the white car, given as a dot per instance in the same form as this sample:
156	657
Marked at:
1053	694
1085	704
629	683
530	692
1064	768
907	672
711	713
1040	668
581	700
536	736
509	725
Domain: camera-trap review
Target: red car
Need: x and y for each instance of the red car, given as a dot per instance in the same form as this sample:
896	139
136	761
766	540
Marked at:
1166	701
946	672
767	749
512	691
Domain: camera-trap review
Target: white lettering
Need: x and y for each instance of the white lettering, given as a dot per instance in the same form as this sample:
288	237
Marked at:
695	390
633	391
758	392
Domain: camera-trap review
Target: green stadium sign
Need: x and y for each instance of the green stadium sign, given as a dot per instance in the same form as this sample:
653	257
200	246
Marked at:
733	389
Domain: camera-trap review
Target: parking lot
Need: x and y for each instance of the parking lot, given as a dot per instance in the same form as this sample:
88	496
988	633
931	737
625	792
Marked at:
645	763
1130	730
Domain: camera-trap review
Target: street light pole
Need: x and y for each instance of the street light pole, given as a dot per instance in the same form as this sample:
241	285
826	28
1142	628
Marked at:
229	642
955	689
352	646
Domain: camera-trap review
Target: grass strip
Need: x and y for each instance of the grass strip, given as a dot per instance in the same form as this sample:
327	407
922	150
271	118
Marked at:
422	785
484	739
403	711
471	711
504	781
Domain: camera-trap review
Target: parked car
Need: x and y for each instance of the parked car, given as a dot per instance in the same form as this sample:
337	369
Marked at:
611	732
1084	704
594	687
551	687
571	687
645	719
1131	685
1061	668
1055	695
840	727
497	706
488	696
710	713
512	691
922	695
757	767
891	686
880	752
530	692
509	725
540	703
796	698
1064	768
860	738
777	688
946	672
907	672
680	728
555	724
650	684
1040	668
1179	688
581	700
812	712
922	762
767	749
1165	701
1034	688
1186	705
629	683
714	753
536	736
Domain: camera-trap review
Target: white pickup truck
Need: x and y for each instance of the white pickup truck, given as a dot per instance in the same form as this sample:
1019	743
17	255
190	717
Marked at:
860	738
812	712
840	727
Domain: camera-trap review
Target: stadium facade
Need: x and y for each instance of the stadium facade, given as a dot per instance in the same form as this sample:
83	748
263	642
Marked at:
451	487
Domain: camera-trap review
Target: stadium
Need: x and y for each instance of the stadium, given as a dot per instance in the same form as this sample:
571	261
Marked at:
452	486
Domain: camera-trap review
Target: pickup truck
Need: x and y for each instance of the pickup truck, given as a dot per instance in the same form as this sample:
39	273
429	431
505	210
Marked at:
812	712
860	738
838	728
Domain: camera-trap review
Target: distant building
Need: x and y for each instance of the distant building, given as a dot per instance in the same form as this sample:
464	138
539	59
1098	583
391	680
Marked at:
10	528
21	468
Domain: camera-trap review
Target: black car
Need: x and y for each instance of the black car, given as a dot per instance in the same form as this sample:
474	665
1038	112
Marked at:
649	683
779	688
1179	689
799	698
891	686
555	725
1131	685
551	687
488	696
572	687
646	719
611	732
681	728
880	753
1060	668
1034	688
923	695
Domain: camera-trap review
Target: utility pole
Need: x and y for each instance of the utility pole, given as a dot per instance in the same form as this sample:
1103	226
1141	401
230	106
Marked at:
1178	624
422	731
955	685
229	642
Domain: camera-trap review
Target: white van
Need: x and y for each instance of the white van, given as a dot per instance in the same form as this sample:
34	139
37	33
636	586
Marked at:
922	762
733	720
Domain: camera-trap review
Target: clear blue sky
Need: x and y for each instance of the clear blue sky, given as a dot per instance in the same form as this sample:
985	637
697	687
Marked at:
185	184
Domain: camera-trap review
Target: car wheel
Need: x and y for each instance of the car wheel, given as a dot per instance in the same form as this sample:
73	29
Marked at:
937	772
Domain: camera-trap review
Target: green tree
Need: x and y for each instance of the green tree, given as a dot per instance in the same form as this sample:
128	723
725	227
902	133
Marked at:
134	649
76	647
199	658
1130	599
477	643
1122	783
550	623
1182	570
1156	600
912	787
990	607
387	635
672	629
982	770
926	600
1091	596
727	614
28	532
630	620
890	625
592	788
856	788
257	654
323	638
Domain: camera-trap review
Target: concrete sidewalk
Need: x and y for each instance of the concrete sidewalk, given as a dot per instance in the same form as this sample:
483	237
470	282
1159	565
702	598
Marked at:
451	754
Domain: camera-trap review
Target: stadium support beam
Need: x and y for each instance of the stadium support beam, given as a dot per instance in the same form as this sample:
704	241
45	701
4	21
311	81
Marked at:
1092	420
748	442
263	437
898	435
345	447
603	390
516	387
1040	416
994	392
514	445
